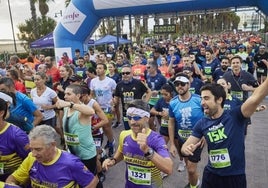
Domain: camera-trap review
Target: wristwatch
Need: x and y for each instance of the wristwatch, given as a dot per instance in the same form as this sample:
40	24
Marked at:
149	154
71	104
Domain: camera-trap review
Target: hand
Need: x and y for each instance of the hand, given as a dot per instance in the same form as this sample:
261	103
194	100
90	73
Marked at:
107	163
173	150
142	140
245	87
261	108
164	114
59	88
189	150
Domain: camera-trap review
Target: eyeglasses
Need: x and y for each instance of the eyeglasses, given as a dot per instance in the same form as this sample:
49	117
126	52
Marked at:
125	73
180	83
135	118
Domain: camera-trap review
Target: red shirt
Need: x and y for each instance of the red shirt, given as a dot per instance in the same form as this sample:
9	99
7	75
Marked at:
54	73
19	86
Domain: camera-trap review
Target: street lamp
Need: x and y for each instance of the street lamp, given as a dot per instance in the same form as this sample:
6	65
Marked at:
11	21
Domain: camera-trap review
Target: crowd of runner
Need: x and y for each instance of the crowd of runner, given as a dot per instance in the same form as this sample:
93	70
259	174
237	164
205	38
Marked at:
168	93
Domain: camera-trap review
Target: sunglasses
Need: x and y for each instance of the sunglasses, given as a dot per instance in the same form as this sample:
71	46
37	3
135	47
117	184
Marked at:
125	73
135	118
180	83
148	67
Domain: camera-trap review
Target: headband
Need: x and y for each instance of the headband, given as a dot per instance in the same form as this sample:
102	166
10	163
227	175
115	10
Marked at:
137	111
6	98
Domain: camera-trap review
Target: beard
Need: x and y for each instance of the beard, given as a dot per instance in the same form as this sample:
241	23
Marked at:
182	92
224	67
211	112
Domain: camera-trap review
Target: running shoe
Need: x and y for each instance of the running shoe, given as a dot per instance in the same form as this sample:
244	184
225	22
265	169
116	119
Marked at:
163	175
101	176
116	124
181	166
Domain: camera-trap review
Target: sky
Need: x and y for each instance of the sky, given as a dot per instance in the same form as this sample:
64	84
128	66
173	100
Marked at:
20	10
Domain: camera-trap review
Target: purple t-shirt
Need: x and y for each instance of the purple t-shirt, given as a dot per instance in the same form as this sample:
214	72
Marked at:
140	171
66	170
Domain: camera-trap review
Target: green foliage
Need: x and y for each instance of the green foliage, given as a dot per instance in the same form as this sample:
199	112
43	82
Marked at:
107	27
29	33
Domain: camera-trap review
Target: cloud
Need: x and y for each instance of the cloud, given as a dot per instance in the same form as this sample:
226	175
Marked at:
20	10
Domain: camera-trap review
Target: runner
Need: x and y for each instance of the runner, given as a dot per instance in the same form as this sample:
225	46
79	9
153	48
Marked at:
40	166
143	150
224	133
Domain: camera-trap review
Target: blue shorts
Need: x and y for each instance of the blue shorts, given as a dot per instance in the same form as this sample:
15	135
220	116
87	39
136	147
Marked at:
211	180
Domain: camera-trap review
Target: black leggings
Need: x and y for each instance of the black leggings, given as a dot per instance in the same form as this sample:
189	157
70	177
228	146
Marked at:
91	164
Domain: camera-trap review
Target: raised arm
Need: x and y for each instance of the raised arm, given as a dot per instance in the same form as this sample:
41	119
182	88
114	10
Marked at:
250	105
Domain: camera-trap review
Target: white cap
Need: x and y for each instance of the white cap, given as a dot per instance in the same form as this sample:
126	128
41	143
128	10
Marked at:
109	55
181	79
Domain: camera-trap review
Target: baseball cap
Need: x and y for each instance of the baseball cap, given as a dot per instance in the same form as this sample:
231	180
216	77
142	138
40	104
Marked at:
241	46
262	46
183	79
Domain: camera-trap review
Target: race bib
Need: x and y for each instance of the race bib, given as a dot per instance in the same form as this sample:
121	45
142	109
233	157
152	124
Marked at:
219	158
164	122
97	142
139	175
71	139
237	94
184	134
260	70
1	168
207	70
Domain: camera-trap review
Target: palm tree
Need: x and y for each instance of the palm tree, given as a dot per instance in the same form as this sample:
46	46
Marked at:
67	2
34	18
43	8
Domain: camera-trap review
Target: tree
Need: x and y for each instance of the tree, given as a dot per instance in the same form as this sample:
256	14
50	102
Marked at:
27	29
43	7
34	17
67	2
245	24
107	26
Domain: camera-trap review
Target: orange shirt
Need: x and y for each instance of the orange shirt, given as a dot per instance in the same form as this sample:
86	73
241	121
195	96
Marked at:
164	71
138	72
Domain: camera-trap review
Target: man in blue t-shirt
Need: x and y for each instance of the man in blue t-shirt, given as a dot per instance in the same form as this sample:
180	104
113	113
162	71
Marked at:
224	133
184	111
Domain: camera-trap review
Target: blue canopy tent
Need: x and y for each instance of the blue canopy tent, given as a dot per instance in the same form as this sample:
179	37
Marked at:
110	39
44	42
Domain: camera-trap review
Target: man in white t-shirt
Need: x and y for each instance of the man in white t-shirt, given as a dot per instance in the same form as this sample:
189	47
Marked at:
102	88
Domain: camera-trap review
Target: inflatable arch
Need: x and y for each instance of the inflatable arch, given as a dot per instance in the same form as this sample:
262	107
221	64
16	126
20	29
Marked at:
82	16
